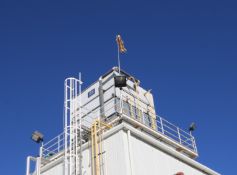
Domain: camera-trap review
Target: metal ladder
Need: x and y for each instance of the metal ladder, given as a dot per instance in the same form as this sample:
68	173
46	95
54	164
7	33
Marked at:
72	127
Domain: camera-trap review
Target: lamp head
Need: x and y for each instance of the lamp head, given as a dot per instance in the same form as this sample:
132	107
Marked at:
120	81
37	137
192	127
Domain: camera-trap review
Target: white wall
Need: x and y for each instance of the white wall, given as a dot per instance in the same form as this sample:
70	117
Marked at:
55	170
150	160
143	158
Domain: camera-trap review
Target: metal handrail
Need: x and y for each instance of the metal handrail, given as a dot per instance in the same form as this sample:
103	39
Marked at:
168	129
162	126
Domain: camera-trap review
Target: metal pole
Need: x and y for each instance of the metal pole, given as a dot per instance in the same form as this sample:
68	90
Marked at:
179	135
76	126
80	142
161	124
38	164
121	102
118	58
70	128
28	165
29	159
58	143
193	141
65	128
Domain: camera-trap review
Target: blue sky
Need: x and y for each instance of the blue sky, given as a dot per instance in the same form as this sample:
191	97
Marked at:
184	50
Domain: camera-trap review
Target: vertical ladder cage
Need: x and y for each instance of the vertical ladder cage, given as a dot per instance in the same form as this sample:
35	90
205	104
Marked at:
72	127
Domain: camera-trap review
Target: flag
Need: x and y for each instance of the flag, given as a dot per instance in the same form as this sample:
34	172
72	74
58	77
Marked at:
121	47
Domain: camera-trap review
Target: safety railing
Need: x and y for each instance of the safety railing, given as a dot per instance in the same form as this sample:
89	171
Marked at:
175	133
138	113
53	146
160	125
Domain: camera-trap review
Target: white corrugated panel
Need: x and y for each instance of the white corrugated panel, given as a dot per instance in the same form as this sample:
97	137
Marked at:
150	160
116	156
86	163
108	83
55	170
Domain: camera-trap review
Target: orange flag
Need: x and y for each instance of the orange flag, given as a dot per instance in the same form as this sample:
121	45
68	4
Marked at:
119	41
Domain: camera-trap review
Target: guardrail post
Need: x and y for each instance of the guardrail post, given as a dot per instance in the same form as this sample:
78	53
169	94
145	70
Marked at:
143	118
194	144
38	161
28	165
41	151
161	124
179	135
58	143
121	104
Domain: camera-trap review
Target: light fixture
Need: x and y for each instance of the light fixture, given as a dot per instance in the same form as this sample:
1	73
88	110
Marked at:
37	137
192	127
120	81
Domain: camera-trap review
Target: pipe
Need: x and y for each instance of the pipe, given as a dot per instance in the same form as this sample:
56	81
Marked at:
29	158
101	98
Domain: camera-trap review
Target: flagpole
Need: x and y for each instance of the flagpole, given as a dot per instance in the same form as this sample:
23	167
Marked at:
121	49
118	58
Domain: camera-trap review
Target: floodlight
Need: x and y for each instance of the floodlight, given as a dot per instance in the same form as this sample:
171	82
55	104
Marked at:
37	137
192	127
120	81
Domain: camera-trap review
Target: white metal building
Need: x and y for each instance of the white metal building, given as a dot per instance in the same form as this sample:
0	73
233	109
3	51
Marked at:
115	131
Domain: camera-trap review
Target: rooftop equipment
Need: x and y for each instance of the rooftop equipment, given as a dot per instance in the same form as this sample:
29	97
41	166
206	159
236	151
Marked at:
112	126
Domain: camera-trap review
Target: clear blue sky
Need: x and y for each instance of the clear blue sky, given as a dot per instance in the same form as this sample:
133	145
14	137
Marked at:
184	50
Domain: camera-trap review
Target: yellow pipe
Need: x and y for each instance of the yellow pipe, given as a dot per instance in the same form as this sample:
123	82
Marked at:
97	163
92	150
95	146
